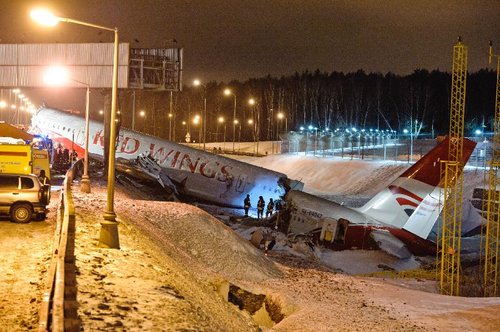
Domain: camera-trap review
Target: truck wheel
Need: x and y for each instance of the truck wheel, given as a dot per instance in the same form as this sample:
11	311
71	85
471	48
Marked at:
21	213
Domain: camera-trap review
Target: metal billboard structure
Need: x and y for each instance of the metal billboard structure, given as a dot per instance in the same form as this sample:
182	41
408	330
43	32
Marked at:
23	65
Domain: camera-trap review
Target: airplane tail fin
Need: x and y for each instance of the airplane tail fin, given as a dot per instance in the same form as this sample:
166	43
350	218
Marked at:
414	200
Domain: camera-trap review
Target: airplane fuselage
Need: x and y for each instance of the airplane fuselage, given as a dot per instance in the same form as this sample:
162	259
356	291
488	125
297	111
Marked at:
203	175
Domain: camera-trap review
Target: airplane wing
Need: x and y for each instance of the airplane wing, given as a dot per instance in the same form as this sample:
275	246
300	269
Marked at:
390	244
150	166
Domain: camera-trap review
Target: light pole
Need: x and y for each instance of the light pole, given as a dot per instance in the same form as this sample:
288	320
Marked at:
196	121
170	115
219	121
133	110
281	116
198	83
142	114
252	127
228	92
57	76
108	237
253	103
236	123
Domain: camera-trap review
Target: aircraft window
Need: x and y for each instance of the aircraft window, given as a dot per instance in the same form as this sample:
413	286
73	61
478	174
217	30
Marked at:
64	128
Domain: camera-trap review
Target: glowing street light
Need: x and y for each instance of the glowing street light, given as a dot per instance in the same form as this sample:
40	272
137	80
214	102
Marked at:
109	227
228	92
58	76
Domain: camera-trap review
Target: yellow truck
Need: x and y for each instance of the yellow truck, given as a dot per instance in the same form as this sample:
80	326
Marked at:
23	159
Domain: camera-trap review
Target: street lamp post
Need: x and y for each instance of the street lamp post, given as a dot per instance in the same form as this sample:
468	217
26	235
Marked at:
204	119
57	76
133	110
253	103
219	121
228	92
108	237
170	115
281	116
85	183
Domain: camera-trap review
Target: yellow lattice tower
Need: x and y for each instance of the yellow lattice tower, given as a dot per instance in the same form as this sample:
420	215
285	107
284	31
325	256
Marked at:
449	258
492	234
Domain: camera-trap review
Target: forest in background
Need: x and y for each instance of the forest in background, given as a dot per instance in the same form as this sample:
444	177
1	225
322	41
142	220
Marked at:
326	101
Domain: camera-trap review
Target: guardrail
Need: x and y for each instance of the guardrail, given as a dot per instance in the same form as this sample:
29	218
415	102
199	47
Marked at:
58	310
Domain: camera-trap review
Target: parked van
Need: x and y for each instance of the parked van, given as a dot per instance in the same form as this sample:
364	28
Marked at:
23	197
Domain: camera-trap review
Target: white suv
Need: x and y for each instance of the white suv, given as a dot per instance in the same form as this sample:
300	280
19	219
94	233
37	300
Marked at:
22	196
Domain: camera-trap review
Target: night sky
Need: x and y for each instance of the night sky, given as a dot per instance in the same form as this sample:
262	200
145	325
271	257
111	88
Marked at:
239	39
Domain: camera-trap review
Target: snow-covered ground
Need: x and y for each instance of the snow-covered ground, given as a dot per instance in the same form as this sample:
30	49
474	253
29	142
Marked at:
178	266
192	252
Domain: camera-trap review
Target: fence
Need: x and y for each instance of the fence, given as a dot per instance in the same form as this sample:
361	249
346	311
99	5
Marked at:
373	147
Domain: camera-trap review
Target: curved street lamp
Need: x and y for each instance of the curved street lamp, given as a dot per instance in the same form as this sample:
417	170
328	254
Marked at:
108	237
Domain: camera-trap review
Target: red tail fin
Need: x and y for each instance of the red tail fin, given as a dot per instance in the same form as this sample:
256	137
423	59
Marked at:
418	187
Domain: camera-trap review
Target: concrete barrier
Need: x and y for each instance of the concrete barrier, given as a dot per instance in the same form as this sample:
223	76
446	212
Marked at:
58	310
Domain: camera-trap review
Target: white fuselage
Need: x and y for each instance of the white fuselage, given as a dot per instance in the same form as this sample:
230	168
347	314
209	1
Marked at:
204	175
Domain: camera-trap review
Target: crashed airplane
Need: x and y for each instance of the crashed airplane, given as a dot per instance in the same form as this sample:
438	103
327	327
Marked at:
398	220
179	169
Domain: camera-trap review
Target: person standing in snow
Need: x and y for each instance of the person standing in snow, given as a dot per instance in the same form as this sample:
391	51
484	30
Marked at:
246	204
260	207
270	207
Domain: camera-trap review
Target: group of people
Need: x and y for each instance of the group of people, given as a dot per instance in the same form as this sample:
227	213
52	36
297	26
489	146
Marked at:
62	159
261	204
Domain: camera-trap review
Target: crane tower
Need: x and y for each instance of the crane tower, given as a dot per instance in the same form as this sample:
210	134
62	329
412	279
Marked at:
492	235
449	254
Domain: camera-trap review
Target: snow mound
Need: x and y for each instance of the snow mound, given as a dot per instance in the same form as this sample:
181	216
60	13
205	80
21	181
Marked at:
201	240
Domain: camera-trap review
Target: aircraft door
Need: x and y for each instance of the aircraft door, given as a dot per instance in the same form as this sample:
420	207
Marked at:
328	229
79	137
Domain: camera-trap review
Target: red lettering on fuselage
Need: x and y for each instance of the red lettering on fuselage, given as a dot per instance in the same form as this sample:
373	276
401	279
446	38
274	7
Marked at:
183	161
130	148
187	164
208	169
224	174
99	138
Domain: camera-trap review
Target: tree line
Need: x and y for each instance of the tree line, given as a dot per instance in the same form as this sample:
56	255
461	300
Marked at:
326	101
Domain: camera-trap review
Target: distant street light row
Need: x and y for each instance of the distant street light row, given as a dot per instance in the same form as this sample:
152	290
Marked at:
16	102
